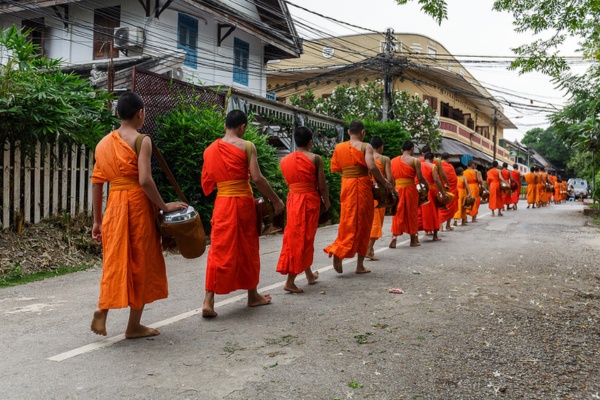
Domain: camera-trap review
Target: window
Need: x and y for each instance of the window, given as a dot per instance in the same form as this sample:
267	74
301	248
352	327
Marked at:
105	22
483	131
36	34
187	39
241	53
431	102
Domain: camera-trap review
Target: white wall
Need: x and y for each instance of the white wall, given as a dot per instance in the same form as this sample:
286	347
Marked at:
215	63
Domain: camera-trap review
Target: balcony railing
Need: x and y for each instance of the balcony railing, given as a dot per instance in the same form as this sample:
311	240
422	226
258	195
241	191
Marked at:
452	129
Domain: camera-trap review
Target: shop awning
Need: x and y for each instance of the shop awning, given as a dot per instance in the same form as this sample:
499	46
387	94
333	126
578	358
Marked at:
457	149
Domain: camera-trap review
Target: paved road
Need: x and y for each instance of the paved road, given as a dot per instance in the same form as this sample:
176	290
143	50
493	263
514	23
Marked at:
301	346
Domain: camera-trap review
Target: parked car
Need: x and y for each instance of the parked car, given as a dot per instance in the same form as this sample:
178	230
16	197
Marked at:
579	188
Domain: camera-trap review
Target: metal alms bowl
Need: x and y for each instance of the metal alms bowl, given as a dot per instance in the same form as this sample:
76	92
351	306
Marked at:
179	216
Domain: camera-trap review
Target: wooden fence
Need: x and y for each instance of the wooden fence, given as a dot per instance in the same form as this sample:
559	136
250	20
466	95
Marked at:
54	179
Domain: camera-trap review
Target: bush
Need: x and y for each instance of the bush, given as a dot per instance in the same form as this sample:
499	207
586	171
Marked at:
392	133
183	136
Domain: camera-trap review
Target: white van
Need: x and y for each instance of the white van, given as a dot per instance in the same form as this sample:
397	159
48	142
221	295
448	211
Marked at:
580	187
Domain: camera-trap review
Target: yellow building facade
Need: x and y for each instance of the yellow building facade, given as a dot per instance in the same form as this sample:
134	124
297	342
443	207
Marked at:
468	113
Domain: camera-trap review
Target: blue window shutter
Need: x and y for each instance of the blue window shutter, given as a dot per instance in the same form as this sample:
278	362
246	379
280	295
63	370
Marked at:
241	59
187	39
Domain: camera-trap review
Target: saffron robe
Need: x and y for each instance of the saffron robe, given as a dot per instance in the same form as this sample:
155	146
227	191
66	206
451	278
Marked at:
356	197
542	187
233	257
471	176
451	209
506	198
133	267
493	181
461	212
430	220
378	213
531	181
516	176
552	179
302	208
406	219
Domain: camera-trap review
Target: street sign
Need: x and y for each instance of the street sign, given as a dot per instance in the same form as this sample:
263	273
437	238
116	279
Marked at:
512	154
466	158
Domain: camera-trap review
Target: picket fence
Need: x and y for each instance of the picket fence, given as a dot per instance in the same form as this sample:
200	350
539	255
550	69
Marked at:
55	180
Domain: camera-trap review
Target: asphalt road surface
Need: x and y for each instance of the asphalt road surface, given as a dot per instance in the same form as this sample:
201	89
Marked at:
345	337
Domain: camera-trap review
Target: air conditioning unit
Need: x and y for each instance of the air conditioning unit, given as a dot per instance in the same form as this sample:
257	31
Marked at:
129	37
175	73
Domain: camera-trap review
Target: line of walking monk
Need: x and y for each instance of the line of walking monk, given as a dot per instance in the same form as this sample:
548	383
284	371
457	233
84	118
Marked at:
133	265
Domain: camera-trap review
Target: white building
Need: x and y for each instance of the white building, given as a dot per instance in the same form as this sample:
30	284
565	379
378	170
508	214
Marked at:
215	42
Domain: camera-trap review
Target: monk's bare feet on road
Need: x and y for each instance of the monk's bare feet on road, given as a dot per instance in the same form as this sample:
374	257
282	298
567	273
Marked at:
256	300
393	242
362	270
337	265
312	277
99	322
292	288
208	307
141	331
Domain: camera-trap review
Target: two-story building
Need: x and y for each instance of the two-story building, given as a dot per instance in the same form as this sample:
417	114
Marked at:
214	42
472	122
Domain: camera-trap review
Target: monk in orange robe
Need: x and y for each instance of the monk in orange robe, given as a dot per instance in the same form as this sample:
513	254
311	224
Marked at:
506	196
463	191
429	212
543	180
515	176
494	177
563	191
354	159
447	214
133	267
405	170
233	257
531	180
473	177
552	179
383	163
557	194
304	175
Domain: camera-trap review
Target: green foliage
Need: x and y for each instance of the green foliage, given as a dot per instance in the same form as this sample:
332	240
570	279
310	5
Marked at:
38	102
435	8
183	136
306	100
392	133
550	144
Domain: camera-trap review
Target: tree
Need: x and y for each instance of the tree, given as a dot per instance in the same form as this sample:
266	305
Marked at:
39	102
550	143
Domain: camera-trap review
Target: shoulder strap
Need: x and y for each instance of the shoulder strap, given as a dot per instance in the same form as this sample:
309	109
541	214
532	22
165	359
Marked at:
415	162
363	147
317	161
163	165
383	162
248	150
138	143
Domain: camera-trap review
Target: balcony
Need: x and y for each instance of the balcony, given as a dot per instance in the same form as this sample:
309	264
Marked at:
452	129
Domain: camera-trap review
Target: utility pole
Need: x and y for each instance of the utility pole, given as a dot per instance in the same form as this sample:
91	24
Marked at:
495	131
387	79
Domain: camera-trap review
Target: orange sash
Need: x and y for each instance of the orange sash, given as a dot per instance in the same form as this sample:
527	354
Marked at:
235	188
355	171
124	183
405	182
302	187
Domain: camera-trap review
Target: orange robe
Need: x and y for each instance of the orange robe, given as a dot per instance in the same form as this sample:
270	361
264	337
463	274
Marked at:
563	190
531	181
379	213
406	219
302	208
452	208
557	195
506	198
430	220
471	176
233	257
356	214
553	180
542	187
493	181
133	267
461	212
516	176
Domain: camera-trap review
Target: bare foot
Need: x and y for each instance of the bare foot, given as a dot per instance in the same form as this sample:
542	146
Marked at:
258	300
415	244
99	322
292	288
500	214
362	270
208	312
449	228
436	239
140	332
372	257
337	265
312	280
393	242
